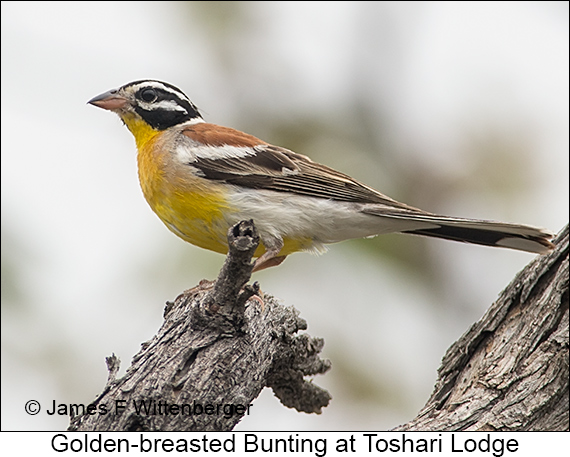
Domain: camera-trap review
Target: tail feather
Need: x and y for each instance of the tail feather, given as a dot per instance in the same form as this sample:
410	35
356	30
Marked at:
487	233
490	236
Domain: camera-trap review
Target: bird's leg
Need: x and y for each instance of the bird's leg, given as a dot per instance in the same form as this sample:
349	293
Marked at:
262	264
270	257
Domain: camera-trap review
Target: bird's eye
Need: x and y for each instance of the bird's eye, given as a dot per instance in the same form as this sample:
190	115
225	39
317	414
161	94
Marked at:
149	95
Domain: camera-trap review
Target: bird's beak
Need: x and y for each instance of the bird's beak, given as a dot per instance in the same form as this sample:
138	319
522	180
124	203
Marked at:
110	100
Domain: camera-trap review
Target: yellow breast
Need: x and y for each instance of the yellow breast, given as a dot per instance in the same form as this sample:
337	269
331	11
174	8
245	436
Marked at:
192	207
189	206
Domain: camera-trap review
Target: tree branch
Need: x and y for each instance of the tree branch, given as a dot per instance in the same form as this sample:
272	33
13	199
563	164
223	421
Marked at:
212	357
509	371
221	343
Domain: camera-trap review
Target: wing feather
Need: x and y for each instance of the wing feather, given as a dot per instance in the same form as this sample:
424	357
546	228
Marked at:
281	170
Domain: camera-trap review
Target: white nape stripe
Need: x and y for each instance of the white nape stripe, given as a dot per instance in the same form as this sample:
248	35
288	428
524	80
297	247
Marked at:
186	153
193	121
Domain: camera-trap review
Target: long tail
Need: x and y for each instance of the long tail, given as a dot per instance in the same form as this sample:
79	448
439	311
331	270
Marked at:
487	233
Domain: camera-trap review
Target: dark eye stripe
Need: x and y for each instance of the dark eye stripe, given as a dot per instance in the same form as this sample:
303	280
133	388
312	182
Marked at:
161	104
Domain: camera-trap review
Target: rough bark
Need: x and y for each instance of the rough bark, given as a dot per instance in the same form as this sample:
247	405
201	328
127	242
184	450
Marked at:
221	343
509	371
212	357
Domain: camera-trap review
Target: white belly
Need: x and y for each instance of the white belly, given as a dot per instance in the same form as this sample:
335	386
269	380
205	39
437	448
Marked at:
283	215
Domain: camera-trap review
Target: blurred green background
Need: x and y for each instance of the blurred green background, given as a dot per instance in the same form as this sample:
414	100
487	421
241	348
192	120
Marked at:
456	108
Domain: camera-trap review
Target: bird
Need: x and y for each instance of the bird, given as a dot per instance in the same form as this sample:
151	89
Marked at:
201	178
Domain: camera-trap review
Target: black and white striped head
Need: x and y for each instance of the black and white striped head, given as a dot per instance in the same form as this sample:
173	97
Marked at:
160	104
